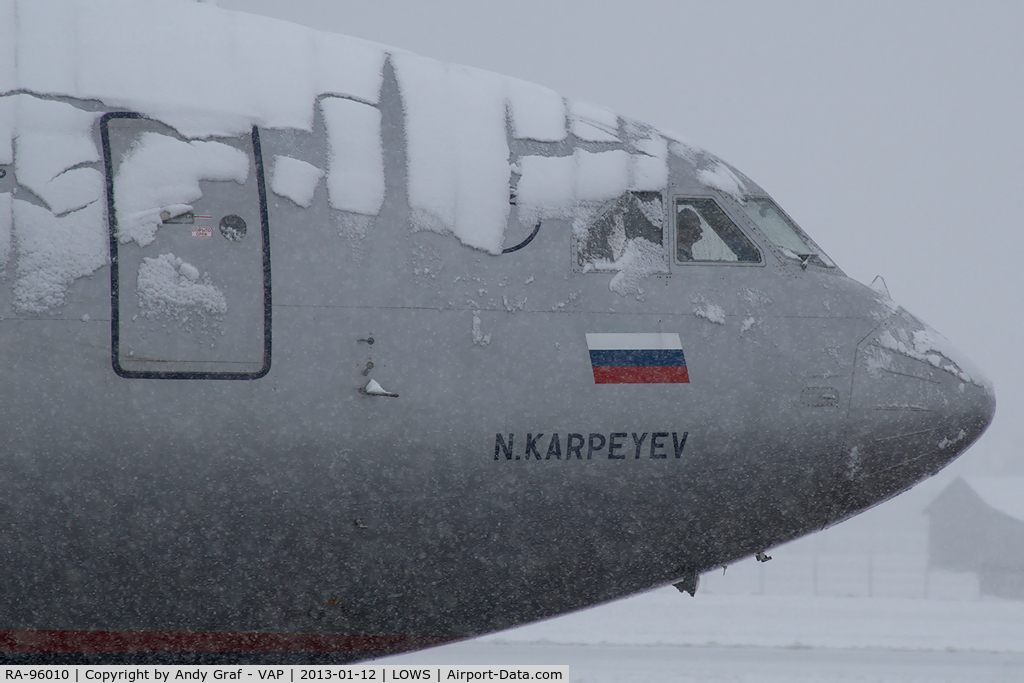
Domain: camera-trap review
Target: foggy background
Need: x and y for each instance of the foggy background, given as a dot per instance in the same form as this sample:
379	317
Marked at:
890	131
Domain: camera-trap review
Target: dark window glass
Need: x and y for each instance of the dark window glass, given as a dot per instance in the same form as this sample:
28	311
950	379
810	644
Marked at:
632	220
705	233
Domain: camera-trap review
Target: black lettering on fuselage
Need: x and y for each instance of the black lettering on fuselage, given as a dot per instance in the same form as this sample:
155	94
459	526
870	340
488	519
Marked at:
499	446
656	444
614	445
554	447
639	442
531	445
574	444
678	444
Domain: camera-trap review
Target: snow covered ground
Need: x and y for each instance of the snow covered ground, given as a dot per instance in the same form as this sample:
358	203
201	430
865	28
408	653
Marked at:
666	635
856	602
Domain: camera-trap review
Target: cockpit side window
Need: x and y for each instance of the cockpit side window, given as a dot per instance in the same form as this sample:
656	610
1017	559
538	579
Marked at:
783	232
704	233
631	223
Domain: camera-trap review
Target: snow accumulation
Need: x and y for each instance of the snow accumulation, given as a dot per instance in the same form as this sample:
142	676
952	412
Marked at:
295	180
223	79
54	251
927	346
721	177
169	286
50	140
479	338
710	312
640	258
570	187
355	181
593	123
650	165
161	174
537	113
458	155
89	51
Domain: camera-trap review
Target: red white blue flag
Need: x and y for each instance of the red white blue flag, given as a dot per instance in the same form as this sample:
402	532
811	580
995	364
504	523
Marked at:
637	358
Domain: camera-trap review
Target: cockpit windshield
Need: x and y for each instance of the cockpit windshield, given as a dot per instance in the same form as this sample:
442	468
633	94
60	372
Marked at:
777	227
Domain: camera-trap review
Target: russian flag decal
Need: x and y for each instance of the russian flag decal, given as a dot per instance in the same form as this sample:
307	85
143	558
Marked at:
637	358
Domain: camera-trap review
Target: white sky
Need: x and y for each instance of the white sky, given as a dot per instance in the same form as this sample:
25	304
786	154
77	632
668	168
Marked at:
891	131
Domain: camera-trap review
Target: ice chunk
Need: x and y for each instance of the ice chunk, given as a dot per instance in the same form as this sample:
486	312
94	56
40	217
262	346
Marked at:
53	252
161	171
50	138
355	180
458	170
593	123
537	113
6	225
374	388
295	180
168	286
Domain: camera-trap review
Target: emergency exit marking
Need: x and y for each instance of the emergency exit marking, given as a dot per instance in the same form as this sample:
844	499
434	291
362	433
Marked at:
204	231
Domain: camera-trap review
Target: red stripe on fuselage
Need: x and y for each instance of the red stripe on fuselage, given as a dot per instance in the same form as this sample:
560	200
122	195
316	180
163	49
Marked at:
205	642
669	375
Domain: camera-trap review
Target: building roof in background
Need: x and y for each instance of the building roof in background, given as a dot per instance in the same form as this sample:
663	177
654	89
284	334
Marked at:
1003	494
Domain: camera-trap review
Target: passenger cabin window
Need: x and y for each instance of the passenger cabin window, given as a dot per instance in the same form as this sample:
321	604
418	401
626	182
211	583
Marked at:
631	226
777	227
704	233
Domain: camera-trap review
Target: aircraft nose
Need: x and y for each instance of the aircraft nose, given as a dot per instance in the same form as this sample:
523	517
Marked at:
916	405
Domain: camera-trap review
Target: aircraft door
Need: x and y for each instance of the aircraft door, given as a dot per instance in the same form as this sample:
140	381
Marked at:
190	253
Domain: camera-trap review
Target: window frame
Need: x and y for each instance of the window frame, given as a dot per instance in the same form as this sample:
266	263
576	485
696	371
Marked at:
576	245
777	249
675	197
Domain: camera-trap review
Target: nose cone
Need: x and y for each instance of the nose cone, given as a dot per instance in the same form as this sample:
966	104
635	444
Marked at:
916	405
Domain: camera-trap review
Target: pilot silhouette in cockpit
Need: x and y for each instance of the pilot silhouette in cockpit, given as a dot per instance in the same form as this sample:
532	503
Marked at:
688	232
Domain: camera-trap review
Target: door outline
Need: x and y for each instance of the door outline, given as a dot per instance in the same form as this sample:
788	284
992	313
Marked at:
114	286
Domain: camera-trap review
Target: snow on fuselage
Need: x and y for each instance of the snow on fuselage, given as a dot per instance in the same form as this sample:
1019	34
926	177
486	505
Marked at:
317	346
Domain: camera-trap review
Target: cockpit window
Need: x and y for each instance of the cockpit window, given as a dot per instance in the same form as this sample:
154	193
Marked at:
704	233
777	227
633	221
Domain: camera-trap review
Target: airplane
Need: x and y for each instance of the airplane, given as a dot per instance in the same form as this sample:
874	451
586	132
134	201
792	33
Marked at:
317	350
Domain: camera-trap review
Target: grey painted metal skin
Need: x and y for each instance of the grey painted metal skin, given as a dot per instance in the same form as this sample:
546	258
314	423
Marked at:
294	504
